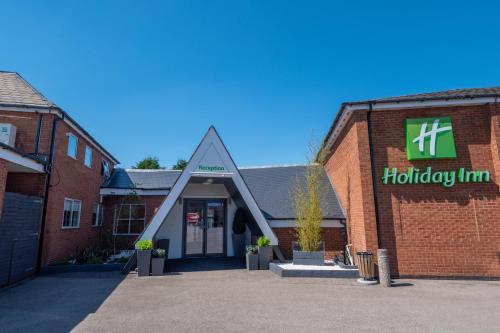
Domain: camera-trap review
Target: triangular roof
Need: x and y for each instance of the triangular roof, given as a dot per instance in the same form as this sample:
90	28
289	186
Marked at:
210	159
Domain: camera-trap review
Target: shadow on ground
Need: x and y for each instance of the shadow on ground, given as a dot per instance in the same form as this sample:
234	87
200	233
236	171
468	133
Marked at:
204	264
55	303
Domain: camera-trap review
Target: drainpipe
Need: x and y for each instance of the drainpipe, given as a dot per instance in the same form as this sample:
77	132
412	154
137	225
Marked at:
38	133
374	172
48	170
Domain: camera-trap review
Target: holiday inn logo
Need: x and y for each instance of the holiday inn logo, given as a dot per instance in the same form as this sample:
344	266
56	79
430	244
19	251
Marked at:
429	138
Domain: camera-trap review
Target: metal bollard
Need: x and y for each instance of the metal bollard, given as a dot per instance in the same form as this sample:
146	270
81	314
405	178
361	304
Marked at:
384	272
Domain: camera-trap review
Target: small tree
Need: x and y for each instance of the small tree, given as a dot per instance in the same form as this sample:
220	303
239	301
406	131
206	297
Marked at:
307	197
149	162
180	165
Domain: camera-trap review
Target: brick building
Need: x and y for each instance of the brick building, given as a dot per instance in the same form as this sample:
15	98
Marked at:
156	204
442	221
47	155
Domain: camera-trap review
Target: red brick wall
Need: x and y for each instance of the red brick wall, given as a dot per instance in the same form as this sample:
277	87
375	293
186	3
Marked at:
3	180
72	179
430	230
26	183
350	171
26	124
334	240
152	203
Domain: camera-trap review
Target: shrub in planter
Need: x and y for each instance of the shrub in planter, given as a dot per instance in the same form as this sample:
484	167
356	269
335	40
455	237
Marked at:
144	248
158	262
239	227
264	252
252	257
307	198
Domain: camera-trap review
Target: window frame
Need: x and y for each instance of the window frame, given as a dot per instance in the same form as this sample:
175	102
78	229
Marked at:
99	215
72	201
88	150
72	136
130	219
105	169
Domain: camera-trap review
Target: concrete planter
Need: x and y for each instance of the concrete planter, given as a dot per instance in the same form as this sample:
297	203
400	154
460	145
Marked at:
264	257
143	262
157	266
252	261
239	245
308	258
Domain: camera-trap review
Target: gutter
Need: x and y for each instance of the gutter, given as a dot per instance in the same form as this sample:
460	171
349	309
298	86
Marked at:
374	173
48	169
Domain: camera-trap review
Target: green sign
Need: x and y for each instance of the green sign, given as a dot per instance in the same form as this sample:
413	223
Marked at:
428	176
210	168
429	138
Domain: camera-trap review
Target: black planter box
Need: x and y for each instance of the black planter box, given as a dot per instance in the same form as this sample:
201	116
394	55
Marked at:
157	266
143	262
264	257
252	261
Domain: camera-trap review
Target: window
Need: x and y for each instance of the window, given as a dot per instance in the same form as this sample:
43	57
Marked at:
72	145
105	168
97	215
88	156
71	216
129	219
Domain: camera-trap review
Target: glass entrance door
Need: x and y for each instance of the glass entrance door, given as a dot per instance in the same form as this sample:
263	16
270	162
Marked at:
204	227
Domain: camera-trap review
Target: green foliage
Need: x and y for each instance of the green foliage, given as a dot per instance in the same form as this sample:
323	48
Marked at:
149	162
307	203
252	249
95	260
122	260
180	165
159	253
240	221
145	244
263	241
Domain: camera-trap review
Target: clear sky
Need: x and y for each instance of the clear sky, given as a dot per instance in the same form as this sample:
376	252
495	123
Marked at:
147	77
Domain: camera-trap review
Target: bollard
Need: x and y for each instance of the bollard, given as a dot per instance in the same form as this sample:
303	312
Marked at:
384	273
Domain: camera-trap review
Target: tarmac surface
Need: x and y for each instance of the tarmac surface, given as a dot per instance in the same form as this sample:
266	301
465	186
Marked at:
231	299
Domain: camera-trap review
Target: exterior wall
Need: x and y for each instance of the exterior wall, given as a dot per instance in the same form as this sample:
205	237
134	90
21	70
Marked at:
428	229
335	241
349	170
152	203
3	180
26	124
31	184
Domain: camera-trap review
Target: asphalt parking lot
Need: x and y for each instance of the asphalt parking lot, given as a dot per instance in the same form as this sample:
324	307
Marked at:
234	300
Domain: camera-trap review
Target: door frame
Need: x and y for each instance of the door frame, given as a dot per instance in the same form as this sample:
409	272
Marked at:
184	228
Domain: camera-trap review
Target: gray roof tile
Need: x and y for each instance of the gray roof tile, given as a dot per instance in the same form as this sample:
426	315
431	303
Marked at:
14	90
270	186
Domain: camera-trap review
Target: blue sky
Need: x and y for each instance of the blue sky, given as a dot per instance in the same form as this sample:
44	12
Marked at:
147	77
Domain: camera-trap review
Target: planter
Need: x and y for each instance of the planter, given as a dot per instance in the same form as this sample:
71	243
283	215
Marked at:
239	245
143	262
309	258
157	266
264	257
252	261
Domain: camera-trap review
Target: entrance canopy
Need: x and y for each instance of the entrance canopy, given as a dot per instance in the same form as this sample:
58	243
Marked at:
210	161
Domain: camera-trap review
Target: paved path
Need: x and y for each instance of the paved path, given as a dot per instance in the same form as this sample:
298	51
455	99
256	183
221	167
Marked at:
240	301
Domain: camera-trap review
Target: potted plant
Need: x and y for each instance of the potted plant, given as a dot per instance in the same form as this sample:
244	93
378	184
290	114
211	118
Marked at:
307	195
144	248
264	252
239	227
252	258
158	262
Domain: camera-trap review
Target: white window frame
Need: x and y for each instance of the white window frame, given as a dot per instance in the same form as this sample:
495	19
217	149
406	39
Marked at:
105	168
88	153
115	219
70	136
99	214
72	201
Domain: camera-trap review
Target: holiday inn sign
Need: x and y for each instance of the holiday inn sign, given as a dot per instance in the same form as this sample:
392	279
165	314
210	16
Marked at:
431	138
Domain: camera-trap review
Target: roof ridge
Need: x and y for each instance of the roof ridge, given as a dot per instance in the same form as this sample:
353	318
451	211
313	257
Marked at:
272	166
147	170
34	89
